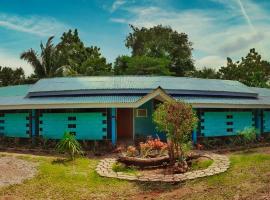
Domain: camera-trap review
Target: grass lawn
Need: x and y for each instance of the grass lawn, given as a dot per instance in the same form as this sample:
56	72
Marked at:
248	178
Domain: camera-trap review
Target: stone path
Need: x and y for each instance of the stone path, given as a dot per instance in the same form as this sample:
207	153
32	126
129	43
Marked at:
15	171
221	164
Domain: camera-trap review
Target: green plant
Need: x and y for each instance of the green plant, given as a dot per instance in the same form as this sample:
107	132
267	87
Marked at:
120	167
247	136
68	144
177	120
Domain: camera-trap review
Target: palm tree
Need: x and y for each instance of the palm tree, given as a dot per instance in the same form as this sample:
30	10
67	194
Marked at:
48	64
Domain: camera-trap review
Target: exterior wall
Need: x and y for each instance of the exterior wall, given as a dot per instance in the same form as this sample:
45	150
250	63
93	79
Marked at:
144	126
85	125
225	123
15	124
266	121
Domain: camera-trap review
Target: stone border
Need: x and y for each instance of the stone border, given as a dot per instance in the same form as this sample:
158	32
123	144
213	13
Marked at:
221	164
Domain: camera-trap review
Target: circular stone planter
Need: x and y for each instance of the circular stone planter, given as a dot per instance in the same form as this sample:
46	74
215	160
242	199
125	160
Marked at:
15	170
221	164
143	162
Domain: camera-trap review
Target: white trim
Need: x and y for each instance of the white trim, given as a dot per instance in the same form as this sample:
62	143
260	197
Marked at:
144	109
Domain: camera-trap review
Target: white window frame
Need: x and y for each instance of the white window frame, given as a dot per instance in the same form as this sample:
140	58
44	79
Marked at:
139	109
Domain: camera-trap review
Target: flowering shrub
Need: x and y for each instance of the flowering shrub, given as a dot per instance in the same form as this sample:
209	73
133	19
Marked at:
132	151
153	147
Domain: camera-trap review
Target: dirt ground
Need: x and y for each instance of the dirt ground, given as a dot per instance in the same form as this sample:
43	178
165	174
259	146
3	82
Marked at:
14	170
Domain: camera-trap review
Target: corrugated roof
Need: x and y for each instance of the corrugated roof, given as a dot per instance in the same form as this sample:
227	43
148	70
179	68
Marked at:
17	90
139	82
21	100
229	101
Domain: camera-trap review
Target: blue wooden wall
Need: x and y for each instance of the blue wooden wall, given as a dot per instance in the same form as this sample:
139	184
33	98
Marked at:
225	123
266	121
15	125
86	126
144	126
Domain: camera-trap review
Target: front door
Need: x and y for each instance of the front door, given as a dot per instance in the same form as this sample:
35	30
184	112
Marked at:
124	123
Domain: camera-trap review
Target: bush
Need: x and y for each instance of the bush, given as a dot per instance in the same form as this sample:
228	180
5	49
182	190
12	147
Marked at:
68	144
247	136
177	120
131	151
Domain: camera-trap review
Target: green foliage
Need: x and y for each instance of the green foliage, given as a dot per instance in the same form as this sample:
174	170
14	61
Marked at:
120	167
162	42
9	76
201	164
207	73
141	65
79	59
248	135
251	70
48	64
177	120
68	144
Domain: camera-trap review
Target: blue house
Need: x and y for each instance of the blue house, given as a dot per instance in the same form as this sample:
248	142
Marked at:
120	107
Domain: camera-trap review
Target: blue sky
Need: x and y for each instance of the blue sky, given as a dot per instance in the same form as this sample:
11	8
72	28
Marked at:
217	28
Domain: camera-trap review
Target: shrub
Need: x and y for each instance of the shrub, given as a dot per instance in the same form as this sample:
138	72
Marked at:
177	120
153	146
248	135
68	144
145	149
131	151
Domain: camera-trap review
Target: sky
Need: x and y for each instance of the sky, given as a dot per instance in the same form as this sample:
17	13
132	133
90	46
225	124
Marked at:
217	28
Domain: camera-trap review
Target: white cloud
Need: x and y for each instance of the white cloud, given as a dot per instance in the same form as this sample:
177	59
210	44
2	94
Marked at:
116	4
215	33
36	25
14	61
211	61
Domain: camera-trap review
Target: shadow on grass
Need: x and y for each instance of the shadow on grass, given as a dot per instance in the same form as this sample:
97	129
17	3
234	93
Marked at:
61	161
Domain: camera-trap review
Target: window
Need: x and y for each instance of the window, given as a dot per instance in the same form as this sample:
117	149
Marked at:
71	118
141	112
72	126
229	116
229	130
229	123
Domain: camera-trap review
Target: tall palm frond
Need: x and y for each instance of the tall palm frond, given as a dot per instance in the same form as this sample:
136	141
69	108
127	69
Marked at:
31	57
48	64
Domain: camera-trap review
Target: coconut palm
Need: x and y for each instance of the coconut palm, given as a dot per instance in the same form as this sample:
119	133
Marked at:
48	64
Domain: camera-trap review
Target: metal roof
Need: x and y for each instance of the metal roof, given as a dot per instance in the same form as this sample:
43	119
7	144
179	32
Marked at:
21	100
17	95
17	90
135	83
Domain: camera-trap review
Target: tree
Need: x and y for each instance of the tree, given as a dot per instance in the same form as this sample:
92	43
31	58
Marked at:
141	65
82	60
251	70
207	73
48	64
162	42
9	76
177	120
121	65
